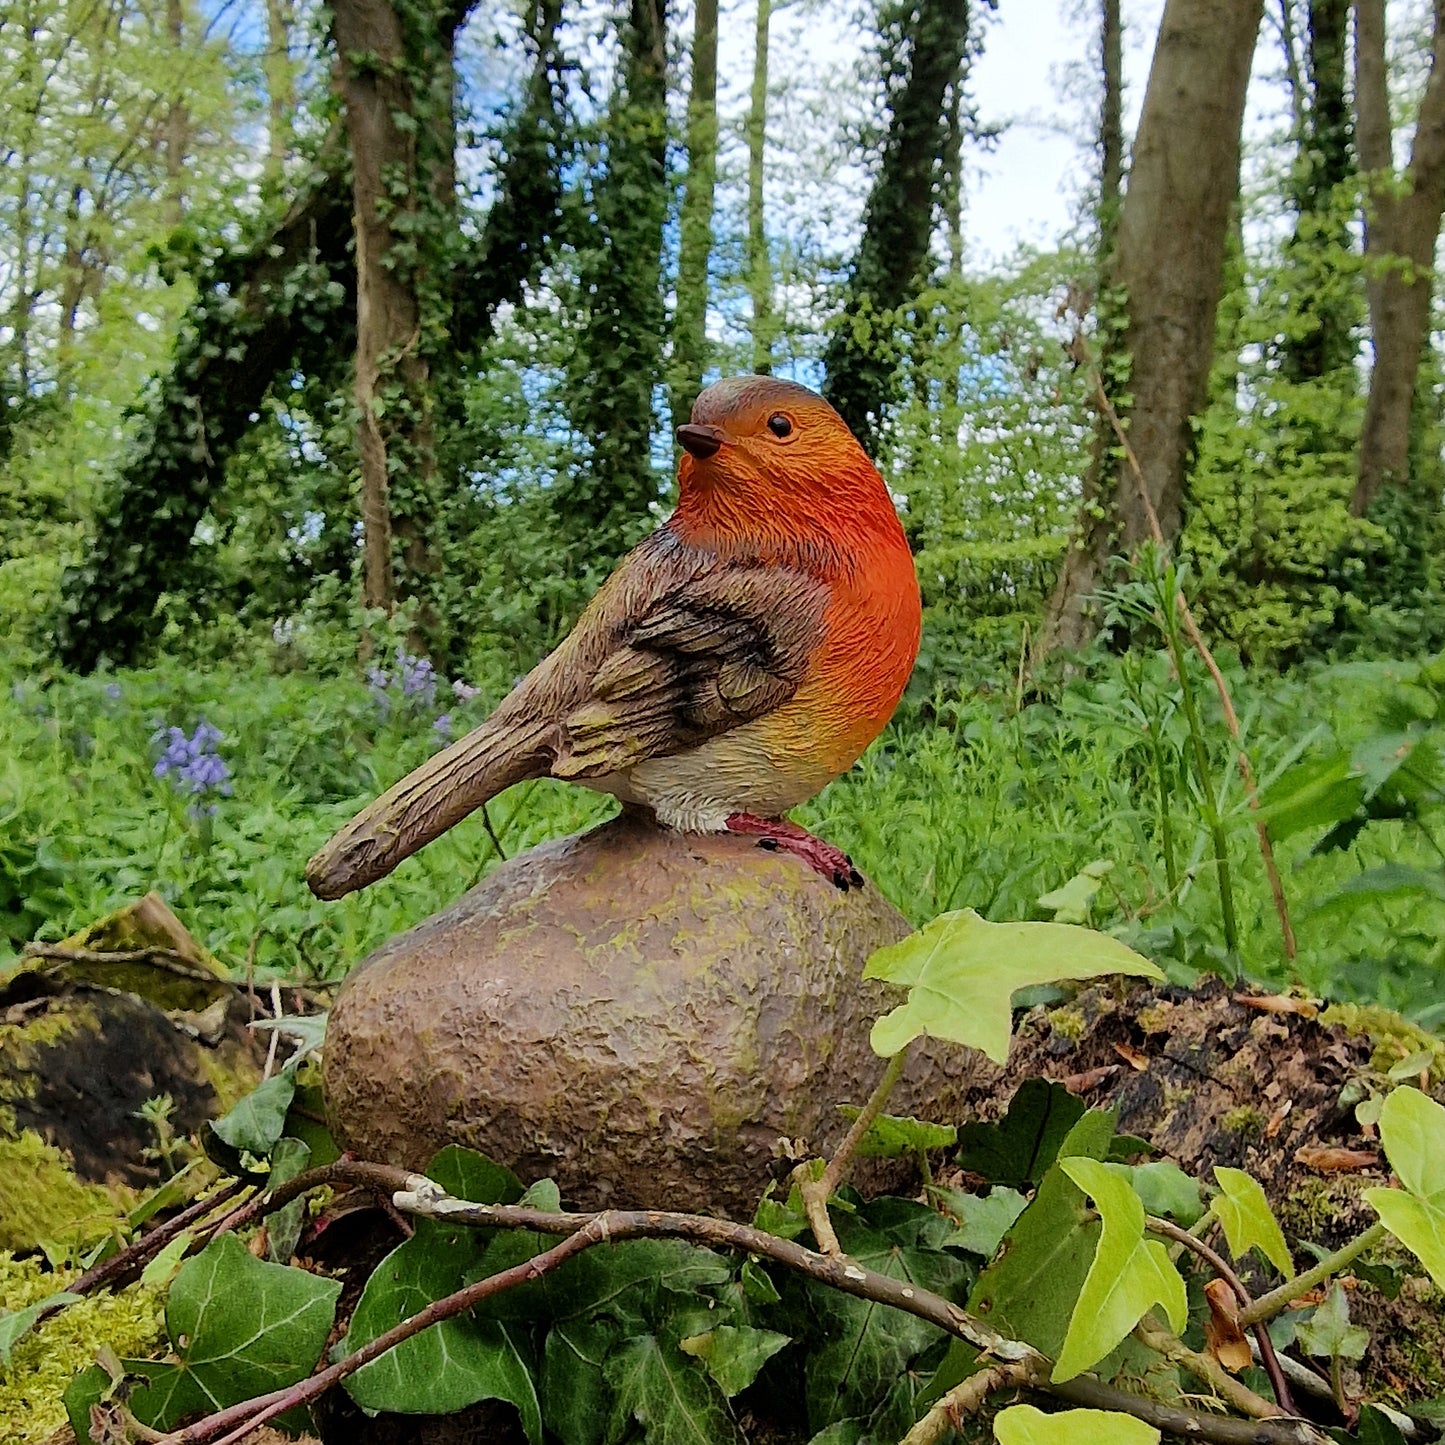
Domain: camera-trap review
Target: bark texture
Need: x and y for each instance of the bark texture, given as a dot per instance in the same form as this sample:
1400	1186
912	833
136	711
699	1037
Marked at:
760	268
1402	224
1168	262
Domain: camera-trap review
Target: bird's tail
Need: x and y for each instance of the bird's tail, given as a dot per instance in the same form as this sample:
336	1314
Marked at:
428	801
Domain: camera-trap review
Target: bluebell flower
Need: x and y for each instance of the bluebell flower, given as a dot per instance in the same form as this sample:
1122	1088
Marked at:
112	691
442	727
418	677
194	766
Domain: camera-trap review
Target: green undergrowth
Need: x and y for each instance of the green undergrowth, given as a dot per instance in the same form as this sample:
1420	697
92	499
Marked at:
1081	802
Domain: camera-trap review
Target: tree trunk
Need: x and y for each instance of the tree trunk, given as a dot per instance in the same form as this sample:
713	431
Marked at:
280	84
861	357
1111	123
760	268
1323	163
619	354
178	117
396	78
1168	261
1402	226
689	332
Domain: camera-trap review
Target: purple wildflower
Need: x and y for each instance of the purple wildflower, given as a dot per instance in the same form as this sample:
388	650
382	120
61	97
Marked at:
442	727
464	691
418	677
112	691
193	764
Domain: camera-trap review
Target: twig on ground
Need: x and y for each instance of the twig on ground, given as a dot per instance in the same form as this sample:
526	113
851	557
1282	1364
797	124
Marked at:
169	960
966	1398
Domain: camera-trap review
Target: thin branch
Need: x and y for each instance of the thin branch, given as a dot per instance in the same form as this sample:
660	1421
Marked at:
966	1398
169	960
1230	1390
817	1192
1221	1267
382	1179
1269	1305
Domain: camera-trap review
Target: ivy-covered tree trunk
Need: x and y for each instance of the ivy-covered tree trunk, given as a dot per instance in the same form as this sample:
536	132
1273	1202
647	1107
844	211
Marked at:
1168	263
619	352
1322	338
277	305
689	329
1402	225
396	78
760	268
861	359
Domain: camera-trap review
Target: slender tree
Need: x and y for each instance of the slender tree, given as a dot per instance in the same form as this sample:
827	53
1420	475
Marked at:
689	331
760	267
1402	224
861	358
1168	262
619	351
280	71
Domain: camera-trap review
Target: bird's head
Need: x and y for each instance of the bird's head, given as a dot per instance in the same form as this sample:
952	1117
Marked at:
760	451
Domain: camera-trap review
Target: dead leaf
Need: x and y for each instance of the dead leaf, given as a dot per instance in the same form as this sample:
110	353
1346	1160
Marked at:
1276	1120
1279	1003
1326	1160
1089	1079
1222	1334
1135	1058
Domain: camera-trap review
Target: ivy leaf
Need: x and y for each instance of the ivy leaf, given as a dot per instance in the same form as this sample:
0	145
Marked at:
289	1158
162	1269
255	1123
1374	1427
1164	1188
983	1220
896	1136
963	972
667	1394
240	1327
1247	1219
574	1393
1028	1291
19	1323
1071	902
734	1354
1129	1276
1329	1332
1024	1425
1412	1129
1021	1148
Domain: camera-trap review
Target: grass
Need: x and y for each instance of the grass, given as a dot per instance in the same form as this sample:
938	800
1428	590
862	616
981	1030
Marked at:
967	801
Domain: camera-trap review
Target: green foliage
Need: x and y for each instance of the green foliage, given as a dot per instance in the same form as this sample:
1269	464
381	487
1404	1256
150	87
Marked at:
963	972
1025	1425
1412	1128
1247	1219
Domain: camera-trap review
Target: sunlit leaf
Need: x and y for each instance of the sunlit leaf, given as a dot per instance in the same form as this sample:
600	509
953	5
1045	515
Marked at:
963	972
734	1354
1024	1425
1247	1220
1412	1129
1130	1273
20	1322
1164	1188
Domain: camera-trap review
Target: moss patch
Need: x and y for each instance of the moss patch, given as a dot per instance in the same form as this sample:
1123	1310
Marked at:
40	1197
46	1361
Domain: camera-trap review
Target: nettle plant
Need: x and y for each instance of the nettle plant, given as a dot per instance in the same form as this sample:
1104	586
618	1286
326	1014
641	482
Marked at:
1077	1277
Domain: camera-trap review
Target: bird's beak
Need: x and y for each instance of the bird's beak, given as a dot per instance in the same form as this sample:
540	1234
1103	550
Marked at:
700	441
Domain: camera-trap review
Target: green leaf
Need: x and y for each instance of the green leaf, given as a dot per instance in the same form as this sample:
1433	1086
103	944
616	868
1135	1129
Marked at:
20	1322
1412	1129
240	1327
1071	903
1374	1427
289	1158
734	1354
467	1174
895	1136
1248	1221
1024	1425
163	1267
672	1398
1021	1148
257	1121
1130	1274
1329	1332
1381	885
1164	1188
575	1396
1315	794
963	972
983	1220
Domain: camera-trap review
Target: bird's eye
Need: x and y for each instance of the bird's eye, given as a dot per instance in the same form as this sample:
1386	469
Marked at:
779	425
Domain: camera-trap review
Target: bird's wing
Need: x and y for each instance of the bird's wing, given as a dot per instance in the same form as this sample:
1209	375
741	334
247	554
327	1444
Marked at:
728	645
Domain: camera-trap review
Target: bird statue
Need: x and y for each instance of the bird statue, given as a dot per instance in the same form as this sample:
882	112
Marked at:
738	660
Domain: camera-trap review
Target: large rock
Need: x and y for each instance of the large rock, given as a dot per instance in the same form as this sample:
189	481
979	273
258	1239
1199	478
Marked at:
638	1015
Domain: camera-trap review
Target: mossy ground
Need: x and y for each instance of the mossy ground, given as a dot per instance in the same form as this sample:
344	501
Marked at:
45	1361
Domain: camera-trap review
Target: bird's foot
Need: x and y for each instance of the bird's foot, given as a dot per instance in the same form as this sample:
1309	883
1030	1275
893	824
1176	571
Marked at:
778	834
